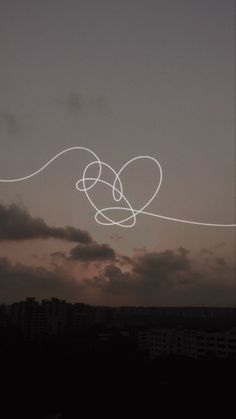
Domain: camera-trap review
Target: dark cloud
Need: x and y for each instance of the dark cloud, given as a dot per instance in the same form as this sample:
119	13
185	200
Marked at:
124	260
166	278
162	264
17	224
92	252
18	281
118	281
220	261
170	277
10	122
150	273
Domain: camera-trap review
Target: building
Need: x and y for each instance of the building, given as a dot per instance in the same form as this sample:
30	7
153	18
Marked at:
189	343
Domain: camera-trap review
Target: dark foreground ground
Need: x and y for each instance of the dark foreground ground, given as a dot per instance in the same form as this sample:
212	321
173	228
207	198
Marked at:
63	380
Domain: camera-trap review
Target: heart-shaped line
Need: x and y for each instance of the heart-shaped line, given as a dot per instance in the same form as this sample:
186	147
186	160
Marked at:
117	191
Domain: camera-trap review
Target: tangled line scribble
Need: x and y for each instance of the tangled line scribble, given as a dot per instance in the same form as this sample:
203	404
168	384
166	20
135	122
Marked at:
103	216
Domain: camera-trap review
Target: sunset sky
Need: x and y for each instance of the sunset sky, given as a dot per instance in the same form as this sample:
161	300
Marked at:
123	78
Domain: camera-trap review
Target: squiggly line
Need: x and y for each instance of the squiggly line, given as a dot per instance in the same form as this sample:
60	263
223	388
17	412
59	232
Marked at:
86	183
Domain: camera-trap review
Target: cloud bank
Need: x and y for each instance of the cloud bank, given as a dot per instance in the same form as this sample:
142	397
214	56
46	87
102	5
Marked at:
168	278
95	273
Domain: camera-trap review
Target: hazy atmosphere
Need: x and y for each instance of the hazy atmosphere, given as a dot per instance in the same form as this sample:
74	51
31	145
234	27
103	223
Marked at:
122	78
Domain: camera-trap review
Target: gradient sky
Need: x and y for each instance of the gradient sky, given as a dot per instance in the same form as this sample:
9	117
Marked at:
124	78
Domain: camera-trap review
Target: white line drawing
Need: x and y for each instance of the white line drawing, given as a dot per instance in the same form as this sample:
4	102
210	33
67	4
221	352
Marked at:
101	216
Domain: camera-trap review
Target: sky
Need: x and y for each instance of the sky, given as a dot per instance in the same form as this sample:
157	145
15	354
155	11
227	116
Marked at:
124	79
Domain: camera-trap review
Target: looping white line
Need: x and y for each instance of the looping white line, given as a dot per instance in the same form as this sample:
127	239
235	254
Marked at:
86	183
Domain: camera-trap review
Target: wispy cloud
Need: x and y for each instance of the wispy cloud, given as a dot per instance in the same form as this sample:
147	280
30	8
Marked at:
10	122
77	103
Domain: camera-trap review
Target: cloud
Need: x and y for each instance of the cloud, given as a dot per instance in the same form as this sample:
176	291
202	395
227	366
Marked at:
89	253
17	224
218	245
99	104
18	281
167	278
92	252
220	261
205	251
10	122
76	103
162	264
